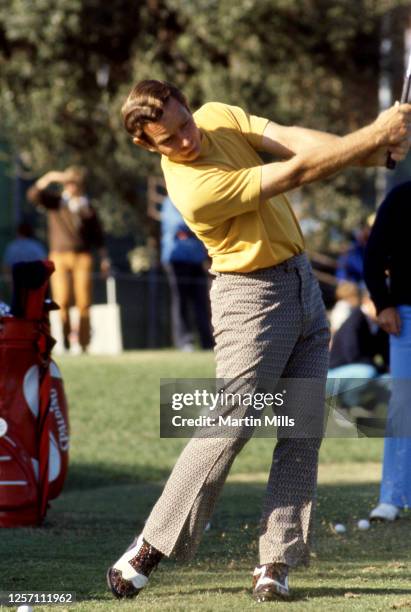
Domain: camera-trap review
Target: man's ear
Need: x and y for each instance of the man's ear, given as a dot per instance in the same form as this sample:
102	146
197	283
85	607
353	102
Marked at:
140	142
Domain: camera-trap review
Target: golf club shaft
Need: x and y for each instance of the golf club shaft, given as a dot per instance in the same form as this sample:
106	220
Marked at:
390	163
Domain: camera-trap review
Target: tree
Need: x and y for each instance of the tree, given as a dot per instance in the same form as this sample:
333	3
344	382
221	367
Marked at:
67	65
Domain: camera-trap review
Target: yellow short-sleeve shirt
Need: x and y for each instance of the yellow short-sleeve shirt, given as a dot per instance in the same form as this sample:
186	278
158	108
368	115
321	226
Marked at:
218	194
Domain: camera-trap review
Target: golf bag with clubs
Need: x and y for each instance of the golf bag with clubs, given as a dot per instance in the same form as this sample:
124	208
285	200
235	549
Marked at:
34	433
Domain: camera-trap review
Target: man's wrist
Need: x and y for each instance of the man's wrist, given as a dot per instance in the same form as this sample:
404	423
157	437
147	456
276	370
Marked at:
377	135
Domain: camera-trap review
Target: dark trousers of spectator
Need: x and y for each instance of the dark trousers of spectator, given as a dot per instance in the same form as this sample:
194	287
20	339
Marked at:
189	291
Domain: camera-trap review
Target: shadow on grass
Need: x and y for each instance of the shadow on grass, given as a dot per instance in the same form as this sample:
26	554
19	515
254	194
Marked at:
84	476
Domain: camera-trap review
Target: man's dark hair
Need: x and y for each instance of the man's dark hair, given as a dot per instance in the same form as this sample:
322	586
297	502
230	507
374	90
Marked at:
145	103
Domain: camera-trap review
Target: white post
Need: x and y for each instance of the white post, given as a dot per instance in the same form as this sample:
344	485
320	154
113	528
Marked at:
111	290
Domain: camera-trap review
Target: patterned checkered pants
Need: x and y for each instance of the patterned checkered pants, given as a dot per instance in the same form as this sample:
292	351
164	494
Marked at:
269	324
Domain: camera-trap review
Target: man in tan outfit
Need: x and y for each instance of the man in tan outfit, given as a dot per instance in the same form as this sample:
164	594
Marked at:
74	230
267	312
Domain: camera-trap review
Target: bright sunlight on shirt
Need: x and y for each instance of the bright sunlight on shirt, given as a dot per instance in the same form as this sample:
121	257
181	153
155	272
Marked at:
218	194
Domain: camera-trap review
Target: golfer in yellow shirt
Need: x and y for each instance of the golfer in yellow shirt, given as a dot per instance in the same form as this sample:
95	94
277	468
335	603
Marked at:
267	312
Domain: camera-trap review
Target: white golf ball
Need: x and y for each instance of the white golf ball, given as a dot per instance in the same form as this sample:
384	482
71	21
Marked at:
363	524
340	528
25	609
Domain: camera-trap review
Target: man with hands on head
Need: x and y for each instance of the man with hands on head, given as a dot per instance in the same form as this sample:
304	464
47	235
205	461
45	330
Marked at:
267	312
74	230
387	274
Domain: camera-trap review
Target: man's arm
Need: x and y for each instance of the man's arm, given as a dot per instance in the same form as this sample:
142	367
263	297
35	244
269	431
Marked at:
38	194
285	141
105	262
377	255
390	129
376	261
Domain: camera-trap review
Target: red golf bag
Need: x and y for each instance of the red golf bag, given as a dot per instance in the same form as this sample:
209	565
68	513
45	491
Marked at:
34	433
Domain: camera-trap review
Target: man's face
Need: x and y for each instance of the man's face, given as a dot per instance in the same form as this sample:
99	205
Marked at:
175	135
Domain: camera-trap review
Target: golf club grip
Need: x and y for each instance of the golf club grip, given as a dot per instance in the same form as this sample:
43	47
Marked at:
390	162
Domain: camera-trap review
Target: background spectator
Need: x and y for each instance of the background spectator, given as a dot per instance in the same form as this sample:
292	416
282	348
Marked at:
185	258
348	296
24	247
359	348
350	265
74	230
388	278
359	353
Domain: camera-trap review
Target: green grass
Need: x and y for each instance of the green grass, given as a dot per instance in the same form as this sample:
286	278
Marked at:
118	467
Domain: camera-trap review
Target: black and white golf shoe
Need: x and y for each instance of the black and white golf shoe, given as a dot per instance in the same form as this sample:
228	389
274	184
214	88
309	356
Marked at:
129	575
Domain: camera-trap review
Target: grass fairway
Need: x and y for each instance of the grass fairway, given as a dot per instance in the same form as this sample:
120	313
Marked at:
118	467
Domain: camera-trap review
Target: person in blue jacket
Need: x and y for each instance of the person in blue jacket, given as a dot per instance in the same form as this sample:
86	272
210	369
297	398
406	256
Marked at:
185	258
350	265
24	247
